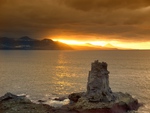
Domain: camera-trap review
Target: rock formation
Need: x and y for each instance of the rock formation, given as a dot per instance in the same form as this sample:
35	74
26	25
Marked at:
98	83
99	97
10	103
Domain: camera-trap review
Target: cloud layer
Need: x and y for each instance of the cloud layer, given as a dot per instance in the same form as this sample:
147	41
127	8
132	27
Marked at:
126	20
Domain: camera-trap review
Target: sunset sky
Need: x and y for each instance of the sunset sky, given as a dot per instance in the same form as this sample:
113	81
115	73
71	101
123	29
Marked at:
122	23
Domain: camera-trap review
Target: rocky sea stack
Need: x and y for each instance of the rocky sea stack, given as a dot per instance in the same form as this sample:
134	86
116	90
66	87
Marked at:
98	98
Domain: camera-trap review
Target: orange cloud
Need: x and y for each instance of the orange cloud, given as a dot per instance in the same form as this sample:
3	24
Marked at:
78	19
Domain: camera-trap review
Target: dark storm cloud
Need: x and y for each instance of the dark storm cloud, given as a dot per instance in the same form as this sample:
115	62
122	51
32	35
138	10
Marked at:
122	20
87	5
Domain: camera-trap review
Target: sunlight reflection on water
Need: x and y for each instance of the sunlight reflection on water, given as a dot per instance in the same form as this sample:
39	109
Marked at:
43	74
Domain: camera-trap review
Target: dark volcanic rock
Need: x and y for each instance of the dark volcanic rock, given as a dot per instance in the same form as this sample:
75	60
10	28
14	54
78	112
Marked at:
75	96
10	96
10	103
98	83
99	97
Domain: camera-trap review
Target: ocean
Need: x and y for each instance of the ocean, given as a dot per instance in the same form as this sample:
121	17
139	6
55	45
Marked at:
51	73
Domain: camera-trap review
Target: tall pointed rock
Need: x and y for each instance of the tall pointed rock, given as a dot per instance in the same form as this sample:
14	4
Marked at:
98	83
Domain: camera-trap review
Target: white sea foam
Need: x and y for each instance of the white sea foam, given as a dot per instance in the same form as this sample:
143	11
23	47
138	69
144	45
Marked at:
55	103
23	95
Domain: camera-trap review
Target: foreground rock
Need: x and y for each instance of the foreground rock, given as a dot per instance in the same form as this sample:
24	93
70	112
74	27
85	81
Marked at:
123	104
99	97
10	103
98	89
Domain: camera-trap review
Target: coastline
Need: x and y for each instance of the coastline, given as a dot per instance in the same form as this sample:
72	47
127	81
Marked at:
10	103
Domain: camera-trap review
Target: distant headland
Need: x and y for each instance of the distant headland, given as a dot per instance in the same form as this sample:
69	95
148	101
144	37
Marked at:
27	43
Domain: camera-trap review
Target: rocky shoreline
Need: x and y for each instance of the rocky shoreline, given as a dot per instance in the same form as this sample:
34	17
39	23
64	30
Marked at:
124	104
10	103
97	99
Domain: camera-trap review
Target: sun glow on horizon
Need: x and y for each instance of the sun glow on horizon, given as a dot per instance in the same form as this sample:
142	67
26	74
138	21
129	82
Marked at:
87	43
99	43
133	45
102	43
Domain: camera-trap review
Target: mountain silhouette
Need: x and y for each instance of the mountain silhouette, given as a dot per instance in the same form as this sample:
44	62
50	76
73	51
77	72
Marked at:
27	43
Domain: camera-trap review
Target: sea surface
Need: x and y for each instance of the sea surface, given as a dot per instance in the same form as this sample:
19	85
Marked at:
46	74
